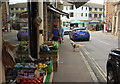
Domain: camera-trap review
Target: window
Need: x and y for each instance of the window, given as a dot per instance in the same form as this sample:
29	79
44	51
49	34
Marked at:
95	9
81	14
86	14
82	8
100	9
12	9
71	14
16	8
86	8
95	15
71	7
22	8
90	9
90	15
100	15
66	7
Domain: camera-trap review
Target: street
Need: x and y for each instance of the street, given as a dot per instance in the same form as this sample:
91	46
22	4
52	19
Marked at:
96	52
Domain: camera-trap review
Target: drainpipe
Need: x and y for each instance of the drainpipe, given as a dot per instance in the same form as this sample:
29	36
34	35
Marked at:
0	42
29	26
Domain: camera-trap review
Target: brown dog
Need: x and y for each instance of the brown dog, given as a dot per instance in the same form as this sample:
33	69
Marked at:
75	45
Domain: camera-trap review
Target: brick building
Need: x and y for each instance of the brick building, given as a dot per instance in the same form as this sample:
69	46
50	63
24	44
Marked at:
109	13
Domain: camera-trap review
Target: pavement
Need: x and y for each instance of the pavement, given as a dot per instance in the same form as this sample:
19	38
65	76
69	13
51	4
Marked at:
73	66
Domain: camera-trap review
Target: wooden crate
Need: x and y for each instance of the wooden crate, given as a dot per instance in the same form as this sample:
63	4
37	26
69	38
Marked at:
48	42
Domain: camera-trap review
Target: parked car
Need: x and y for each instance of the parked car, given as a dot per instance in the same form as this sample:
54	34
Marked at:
79	34
66	30
22	34
113	67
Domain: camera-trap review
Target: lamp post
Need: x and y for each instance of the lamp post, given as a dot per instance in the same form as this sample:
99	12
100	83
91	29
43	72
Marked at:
103	15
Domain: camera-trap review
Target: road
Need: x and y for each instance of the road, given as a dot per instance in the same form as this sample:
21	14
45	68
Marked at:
96	52
11	36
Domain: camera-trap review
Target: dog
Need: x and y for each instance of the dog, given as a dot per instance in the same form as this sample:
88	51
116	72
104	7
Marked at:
75	45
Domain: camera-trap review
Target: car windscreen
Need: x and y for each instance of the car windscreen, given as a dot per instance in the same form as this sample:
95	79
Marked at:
65	28
80	29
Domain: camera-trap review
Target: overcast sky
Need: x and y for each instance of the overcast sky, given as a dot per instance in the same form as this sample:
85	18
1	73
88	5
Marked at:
19	1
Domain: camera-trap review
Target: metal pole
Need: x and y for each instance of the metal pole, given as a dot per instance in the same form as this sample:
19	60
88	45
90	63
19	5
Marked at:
29	26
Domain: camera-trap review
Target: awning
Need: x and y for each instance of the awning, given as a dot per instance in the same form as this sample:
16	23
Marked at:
58	11
77	3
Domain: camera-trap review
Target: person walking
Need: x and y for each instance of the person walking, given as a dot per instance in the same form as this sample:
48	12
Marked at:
55	33
62	33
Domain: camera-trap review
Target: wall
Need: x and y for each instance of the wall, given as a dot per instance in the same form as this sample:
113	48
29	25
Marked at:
109	12
40	36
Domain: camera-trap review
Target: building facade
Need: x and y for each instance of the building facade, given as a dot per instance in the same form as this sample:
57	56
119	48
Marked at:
17	9
116	18
85	13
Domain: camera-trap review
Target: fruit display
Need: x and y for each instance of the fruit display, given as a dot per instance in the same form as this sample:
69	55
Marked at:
30	73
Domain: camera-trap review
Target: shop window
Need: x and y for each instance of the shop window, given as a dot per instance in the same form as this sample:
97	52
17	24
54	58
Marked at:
71	14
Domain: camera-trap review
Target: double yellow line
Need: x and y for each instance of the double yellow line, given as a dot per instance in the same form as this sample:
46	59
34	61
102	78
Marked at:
97	66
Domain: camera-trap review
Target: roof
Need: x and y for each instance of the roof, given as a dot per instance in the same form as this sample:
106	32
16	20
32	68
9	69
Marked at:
19	5
93	5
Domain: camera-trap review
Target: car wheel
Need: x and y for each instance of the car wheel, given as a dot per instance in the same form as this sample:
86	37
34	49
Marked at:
88	39
110	76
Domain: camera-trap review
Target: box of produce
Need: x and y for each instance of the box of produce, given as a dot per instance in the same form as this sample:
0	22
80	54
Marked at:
53	48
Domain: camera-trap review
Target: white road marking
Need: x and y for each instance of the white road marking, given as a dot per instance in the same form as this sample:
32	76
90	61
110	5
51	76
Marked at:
89	68
103	42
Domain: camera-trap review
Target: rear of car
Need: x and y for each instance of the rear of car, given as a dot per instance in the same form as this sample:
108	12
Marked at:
66	31
22	34
80	34
113	67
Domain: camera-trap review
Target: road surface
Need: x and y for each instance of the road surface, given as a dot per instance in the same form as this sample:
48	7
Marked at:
96	52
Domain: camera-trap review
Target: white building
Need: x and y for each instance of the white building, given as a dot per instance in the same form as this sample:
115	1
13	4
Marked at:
85	13
17	9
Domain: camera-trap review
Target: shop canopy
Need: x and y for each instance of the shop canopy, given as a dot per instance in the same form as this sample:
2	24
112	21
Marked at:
77	21
94	21
58	11
77	3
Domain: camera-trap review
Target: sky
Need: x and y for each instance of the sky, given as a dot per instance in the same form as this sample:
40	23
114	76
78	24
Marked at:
18	1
